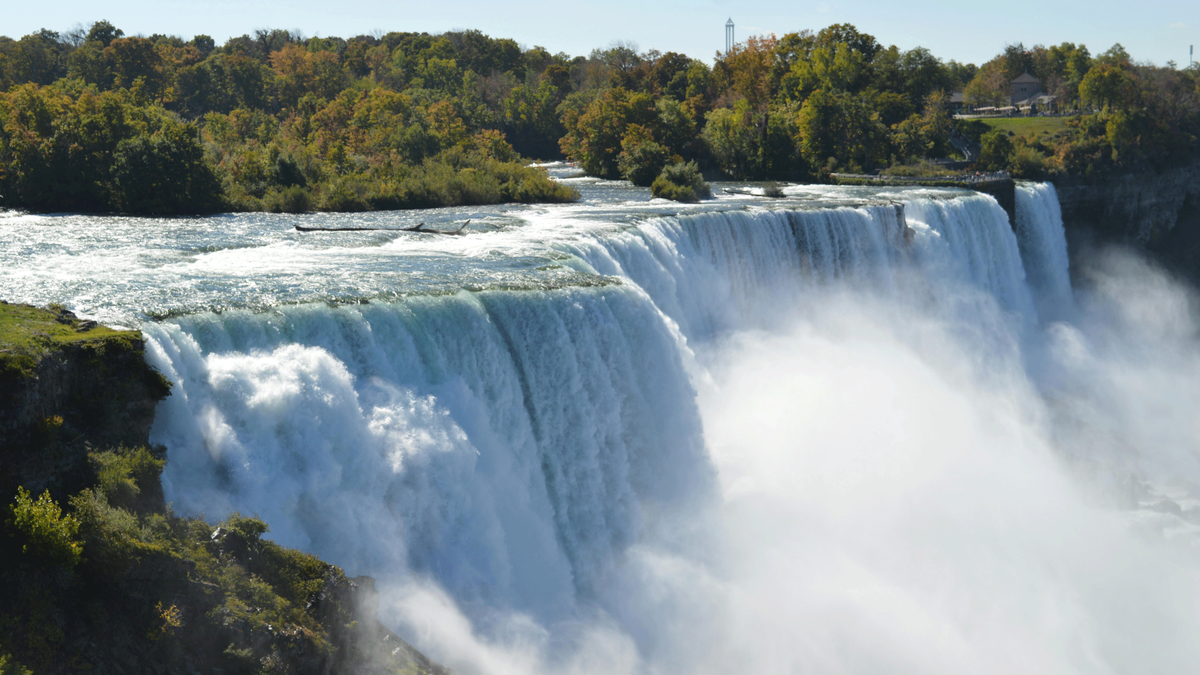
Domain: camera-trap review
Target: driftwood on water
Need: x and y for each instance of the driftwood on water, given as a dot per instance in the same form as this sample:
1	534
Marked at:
419	228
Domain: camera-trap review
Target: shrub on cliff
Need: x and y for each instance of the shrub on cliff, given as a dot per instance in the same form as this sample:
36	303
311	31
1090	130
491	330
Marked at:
122	473
104	574
42	532
8	666
681	182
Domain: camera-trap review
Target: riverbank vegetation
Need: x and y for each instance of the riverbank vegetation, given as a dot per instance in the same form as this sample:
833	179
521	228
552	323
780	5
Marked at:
94	120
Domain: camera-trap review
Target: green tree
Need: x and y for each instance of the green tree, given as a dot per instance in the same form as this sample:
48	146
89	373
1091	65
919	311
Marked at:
165	172
103	33
594	137
674	125
990	86
1107	85
531	119
87	63
131	59
641	159
996	150
734	141
39	58
1121	132
842	127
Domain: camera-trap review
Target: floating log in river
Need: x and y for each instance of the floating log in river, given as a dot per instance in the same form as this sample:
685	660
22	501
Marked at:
419	227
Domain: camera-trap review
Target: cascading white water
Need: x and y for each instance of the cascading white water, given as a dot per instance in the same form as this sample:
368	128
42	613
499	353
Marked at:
504	442
507	442
1044	247
969	242
717	272
545	452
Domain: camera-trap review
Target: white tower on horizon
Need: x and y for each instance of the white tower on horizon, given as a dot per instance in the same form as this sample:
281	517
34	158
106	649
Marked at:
729	41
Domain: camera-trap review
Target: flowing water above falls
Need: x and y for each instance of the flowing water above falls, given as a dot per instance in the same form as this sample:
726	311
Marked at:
846	431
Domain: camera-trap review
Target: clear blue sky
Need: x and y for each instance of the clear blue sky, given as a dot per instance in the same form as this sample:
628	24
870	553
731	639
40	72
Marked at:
967	31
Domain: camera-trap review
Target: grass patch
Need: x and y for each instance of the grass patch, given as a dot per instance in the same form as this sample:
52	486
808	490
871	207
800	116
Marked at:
922	169
29	333
1026	126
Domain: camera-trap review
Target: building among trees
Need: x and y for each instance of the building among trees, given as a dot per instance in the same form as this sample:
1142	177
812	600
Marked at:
1025	87
1025	93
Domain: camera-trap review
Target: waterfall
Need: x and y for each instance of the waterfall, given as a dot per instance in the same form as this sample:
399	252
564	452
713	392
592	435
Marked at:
713	273
717	272
505	442
1043	245
515	446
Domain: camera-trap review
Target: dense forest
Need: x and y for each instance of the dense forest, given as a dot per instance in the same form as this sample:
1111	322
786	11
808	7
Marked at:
93	120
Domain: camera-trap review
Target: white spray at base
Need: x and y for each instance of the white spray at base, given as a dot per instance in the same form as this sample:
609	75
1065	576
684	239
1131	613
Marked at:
869	479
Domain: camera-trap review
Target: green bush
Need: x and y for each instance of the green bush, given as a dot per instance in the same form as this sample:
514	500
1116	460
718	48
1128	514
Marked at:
774	191
997	150
112	536
129	478
8	666
681	182
454	178
1027	162
294	199
45	533
921	169
344	195
249	529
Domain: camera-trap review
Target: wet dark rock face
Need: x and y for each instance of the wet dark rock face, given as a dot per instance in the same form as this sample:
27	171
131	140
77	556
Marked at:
1156	210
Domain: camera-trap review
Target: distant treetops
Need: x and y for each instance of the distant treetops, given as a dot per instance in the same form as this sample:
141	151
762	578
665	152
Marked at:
100	121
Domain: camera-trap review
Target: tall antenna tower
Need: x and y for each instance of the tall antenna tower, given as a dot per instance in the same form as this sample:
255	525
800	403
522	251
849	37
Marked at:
729	41
1191	53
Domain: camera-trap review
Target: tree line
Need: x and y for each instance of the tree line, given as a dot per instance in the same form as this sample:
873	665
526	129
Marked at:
1130	114
100	121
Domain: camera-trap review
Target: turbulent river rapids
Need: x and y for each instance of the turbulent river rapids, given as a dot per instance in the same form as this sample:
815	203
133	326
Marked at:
851	430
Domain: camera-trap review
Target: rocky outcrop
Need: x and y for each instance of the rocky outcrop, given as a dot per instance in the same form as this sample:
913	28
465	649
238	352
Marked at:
1158	210
91	390
366	645
152	592
1005	192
